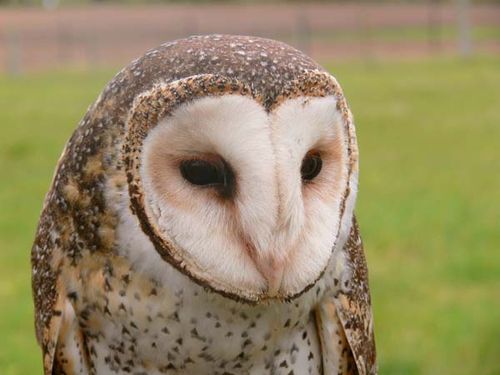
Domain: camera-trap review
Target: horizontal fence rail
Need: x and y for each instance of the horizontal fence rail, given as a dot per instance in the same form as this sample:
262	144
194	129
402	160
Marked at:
104	35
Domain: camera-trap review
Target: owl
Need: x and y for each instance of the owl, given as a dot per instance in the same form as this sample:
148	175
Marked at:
200	221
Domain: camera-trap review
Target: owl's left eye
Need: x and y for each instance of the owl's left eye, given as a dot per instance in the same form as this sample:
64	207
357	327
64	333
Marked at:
216	173
202	172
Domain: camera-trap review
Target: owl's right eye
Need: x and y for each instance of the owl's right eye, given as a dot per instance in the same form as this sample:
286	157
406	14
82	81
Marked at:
311	166
202	172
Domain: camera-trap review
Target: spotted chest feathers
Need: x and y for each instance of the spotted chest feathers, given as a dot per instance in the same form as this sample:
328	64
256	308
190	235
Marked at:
134	325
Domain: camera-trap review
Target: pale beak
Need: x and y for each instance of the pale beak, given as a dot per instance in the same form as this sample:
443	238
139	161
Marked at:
272	270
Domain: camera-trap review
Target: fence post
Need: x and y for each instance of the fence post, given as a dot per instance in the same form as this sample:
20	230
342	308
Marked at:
303	32
464	28
13	53
434	23
365	33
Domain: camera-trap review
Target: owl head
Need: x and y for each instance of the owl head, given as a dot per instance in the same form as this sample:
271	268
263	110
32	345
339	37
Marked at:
241	165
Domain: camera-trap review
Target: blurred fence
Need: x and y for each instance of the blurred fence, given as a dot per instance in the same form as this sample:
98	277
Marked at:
102	35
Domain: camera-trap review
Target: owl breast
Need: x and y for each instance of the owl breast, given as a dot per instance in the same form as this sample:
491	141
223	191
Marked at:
135	325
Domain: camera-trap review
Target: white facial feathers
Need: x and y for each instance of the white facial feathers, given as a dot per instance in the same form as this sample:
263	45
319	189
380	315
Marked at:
275	234
312	210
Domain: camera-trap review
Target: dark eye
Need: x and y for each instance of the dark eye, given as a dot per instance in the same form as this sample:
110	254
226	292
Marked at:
213	172
311	166
202	172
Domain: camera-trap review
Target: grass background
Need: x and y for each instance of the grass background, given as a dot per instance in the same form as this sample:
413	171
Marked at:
428	206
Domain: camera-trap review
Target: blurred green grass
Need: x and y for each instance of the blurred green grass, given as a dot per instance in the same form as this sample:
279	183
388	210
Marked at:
428	205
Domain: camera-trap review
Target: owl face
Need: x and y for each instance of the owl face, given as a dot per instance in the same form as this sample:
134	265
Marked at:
245	199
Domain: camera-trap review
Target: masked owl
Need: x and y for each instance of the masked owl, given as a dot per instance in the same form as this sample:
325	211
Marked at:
200	221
